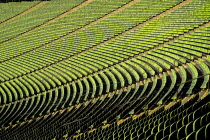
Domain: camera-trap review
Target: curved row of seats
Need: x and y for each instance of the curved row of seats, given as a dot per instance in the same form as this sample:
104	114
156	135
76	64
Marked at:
180	122
133	73
67	71
9	10
48	81
45	104
60	119
54	30
45	60
93	35
36	17
157	90
68	94
11	73
33	86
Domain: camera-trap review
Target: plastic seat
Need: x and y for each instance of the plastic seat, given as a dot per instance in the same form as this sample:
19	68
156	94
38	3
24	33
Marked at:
208	118
189	128
159	135
155	129
179	124
191	136
151	137
148	133
173	135
173	127
167	130
196	124
181	133
200	134
207	130
165	137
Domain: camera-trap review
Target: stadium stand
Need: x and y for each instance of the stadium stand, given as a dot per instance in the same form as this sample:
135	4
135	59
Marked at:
102	69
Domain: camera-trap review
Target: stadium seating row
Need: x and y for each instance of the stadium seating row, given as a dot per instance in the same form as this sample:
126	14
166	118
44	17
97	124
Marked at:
36	17
95	83
141	94
9	10
180	122
99	32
